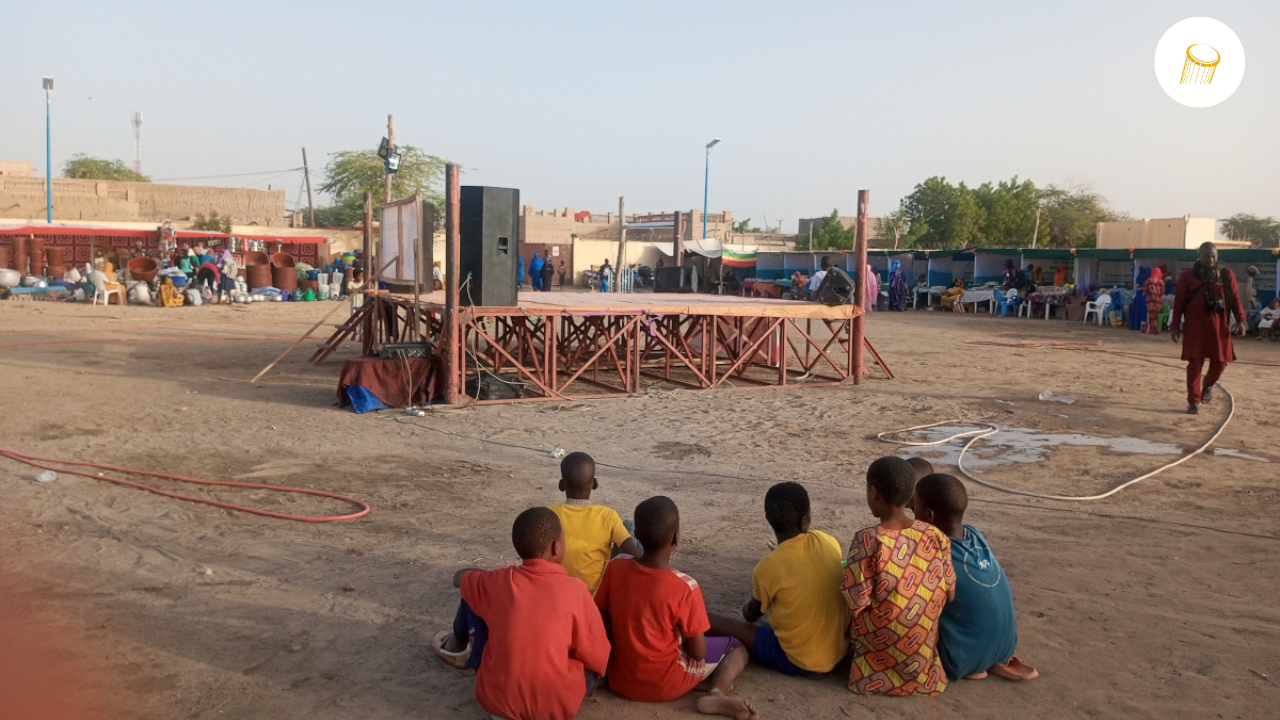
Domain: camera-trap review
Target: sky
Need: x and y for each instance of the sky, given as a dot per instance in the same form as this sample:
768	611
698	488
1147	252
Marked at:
579	103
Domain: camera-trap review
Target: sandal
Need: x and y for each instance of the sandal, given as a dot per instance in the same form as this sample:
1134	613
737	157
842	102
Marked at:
1015	670
457	659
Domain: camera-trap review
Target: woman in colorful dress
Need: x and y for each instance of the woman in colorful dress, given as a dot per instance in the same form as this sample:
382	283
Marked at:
1154	290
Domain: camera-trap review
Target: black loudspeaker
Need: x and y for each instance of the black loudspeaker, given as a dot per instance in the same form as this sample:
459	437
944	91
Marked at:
489	233
836	288
681	279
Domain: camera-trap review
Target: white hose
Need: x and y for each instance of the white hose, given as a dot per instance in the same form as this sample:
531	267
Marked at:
988	430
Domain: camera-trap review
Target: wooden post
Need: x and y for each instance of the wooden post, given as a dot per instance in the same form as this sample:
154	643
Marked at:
678	248
451	337
857	328
391	142
622	243
368	232
306	173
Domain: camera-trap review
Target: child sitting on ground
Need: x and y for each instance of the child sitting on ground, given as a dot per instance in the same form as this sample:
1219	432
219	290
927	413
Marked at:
977	631
798	584
591	531
659	621
531	633
897	578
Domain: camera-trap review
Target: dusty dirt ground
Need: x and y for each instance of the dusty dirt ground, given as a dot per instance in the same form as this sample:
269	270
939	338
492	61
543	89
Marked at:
1159	602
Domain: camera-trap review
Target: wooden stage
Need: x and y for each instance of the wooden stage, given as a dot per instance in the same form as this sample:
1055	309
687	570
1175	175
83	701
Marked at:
576	345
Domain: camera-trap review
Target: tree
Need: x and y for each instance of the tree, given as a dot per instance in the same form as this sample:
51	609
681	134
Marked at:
351	173
947	216
1008	213
1260	232
897	227
745	226
830	234
84	167
1071	215
212	223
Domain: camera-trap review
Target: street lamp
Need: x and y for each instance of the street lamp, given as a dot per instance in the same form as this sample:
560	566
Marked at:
48	154
706	183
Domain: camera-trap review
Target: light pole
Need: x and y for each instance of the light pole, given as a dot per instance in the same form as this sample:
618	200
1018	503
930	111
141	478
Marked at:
706	184
48	154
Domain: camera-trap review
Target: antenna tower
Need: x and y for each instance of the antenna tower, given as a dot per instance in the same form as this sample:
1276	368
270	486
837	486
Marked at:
137	141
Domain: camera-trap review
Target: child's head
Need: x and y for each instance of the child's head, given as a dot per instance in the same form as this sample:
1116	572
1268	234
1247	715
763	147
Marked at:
825	262
890	483
536	534
940	499
786	507
657	523
921	466
578	475
1274	304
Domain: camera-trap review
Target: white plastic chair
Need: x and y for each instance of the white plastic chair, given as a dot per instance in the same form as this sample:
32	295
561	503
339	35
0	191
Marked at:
100	288
1097	307
1024	308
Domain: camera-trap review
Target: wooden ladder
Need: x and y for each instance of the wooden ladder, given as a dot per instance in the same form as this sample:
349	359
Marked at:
344	331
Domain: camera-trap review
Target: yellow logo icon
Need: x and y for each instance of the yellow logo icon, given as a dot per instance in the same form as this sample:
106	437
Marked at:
1201	61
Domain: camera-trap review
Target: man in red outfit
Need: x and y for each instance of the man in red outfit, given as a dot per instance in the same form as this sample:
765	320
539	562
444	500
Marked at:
1206	299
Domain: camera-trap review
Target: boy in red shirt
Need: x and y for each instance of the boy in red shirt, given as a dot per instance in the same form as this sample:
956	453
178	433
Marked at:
537	642
661	650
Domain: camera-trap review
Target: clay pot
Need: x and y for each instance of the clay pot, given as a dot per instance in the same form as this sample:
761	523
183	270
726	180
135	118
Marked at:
254	257
20	254
143	268
55	257
258	276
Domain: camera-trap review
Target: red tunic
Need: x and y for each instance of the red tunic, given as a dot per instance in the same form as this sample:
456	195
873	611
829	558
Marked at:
1206	335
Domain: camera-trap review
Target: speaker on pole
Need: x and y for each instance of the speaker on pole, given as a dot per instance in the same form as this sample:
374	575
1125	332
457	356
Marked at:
489	235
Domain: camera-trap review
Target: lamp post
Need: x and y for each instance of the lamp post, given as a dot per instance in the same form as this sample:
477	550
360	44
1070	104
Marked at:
706	184
48	154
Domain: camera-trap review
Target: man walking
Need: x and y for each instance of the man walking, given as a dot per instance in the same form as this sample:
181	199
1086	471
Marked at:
1206	299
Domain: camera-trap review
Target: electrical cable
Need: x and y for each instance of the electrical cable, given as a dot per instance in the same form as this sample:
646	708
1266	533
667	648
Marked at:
35	461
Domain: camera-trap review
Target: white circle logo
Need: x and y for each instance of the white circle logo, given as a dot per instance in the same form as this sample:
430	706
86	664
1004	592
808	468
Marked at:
1199	62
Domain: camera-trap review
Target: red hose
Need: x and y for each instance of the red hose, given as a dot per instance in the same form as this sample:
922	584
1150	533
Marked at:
35	461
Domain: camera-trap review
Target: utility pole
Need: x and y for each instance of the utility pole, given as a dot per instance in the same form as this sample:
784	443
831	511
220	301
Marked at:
391	141
1036	235
857	326
306	172
622	243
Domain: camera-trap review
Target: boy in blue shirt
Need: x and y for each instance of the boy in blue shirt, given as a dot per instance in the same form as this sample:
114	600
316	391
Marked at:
978	631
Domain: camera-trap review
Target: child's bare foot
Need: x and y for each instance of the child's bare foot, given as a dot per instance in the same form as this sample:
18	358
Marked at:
446	647
1015	669
717	703
976	676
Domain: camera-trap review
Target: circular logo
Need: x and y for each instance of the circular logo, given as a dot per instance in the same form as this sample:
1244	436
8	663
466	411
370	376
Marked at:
1199	62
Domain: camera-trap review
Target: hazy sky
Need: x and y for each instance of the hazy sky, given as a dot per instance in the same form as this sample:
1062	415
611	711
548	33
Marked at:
578	103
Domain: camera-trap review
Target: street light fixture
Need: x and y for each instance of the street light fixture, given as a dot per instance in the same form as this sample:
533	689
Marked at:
48	154
706	183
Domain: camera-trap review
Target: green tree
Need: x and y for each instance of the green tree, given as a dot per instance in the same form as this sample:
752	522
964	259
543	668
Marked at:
897	230
745	226
85	167
945	215
1258	231
212	223
830	234
1008	213
351	173
1071	214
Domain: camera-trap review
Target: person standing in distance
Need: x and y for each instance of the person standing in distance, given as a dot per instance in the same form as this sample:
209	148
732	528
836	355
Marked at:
1205	300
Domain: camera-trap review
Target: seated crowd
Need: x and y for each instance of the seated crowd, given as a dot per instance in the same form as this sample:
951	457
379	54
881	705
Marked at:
917	601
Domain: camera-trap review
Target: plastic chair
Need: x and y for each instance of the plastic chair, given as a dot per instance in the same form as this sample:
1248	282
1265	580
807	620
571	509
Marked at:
1097	307
1006	301
100	289
1024	308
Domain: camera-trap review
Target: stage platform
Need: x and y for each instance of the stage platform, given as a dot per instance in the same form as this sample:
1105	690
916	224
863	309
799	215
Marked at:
576	345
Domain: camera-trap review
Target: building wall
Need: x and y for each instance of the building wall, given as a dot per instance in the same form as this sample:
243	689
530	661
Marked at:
16	168
557	227
1183	233
108	200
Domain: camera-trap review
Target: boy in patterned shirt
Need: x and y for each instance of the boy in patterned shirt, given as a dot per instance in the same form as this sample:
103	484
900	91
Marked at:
897	577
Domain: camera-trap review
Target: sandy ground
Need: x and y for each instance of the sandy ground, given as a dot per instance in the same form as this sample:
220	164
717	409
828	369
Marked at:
1159	602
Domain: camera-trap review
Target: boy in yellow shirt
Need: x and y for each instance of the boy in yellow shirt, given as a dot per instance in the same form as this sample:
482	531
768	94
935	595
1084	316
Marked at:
590	530
798	585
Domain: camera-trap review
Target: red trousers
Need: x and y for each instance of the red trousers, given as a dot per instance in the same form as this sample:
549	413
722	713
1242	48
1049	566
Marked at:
1194	367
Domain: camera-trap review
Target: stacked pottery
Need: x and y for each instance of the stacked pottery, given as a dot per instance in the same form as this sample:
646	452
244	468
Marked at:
20	254
257	269
35	251
284	272
55	265
6	256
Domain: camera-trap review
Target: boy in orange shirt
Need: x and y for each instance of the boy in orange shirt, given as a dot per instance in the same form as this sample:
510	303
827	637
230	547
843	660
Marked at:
897	577
537	642
661	651
591	531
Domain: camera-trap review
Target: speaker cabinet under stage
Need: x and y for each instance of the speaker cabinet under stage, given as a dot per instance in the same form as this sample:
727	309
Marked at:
489	232
682	279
